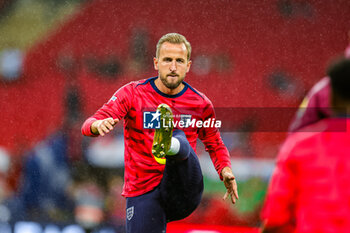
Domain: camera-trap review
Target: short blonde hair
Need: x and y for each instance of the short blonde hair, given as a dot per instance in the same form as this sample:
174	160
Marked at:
174	38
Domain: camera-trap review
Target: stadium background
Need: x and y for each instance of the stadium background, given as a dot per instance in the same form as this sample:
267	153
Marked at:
61	60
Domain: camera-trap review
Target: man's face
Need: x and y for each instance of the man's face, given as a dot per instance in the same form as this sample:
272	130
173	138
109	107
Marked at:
172	64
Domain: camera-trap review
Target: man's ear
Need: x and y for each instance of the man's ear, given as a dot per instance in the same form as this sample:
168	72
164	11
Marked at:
155	63
189	66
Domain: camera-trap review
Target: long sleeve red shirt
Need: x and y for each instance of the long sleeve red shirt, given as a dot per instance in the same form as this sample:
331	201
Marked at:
135	103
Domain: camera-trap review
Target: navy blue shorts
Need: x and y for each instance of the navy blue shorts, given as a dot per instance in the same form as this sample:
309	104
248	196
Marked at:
175	198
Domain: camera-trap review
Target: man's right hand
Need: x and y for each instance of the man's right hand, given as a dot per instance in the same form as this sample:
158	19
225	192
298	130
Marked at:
104	126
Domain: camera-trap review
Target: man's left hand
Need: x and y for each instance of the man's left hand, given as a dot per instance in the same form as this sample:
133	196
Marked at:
230	184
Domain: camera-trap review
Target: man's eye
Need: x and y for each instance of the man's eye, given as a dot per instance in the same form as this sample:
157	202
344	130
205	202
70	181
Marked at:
180	61
167	59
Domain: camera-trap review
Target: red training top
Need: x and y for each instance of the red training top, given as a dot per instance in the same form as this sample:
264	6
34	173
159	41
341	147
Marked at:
309	189
137	102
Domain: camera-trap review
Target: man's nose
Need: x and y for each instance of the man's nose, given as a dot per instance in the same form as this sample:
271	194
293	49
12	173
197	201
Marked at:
173	66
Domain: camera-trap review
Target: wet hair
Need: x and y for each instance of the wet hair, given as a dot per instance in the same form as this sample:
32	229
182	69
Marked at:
339	73
174	38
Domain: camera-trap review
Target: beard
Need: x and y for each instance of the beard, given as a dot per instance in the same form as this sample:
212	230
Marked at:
171	85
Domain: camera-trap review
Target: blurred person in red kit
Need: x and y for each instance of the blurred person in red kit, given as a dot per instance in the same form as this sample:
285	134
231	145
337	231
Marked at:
309	189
